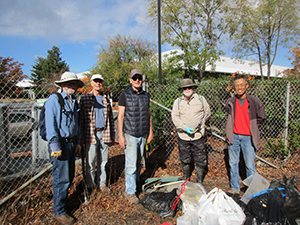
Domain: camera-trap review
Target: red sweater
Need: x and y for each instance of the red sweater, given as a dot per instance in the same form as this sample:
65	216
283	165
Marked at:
242	119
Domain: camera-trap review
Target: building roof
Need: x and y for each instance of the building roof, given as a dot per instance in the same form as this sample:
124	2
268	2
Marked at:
229	65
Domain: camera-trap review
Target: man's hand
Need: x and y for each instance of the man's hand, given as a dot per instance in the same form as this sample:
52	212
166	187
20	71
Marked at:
56	153
189	130
122	141
77	149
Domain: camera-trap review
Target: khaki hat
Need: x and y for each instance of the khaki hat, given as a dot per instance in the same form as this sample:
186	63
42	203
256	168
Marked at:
135	72
97	76
69	76
187	83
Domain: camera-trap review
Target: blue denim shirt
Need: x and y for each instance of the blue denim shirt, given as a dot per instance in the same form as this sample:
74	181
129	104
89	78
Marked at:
61	125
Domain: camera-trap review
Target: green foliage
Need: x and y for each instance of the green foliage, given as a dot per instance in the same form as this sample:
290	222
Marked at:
294	136
196	27
262	26
276	147
46	71
120	56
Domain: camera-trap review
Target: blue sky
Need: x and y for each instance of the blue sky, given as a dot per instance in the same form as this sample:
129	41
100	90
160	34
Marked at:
29	28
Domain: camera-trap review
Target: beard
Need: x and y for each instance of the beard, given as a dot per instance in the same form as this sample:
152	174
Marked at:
188	93
69	91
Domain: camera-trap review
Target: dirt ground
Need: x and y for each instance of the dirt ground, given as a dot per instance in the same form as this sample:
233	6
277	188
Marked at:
36	208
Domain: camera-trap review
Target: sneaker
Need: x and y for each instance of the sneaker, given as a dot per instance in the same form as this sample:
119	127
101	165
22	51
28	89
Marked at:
105	190
131	198
65	219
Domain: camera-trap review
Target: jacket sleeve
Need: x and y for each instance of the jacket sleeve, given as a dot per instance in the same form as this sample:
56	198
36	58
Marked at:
260	113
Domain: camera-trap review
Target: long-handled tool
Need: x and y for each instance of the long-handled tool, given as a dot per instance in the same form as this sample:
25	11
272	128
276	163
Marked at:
85	190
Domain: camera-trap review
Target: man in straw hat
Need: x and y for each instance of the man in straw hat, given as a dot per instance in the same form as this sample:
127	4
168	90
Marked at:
63	135
189	114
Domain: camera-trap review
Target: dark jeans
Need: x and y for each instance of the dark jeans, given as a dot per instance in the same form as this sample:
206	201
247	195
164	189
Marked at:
63	172
197	148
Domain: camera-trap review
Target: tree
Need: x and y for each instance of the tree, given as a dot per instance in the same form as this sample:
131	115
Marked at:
196	27
46	71
120	56
10	74
262	26
294	73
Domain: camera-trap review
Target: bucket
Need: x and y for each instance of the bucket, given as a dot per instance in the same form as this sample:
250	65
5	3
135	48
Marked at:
255	183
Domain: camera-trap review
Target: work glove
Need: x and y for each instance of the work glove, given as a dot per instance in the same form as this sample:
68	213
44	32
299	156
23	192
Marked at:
56	152
77	149
189	130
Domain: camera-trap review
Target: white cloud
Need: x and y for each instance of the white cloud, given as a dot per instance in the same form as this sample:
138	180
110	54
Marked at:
74	21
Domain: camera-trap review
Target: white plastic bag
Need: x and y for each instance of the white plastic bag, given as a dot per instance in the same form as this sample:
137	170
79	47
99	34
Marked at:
217	208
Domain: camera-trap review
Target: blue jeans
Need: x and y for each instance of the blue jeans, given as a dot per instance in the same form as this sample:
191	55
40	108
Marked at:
244	143
99	151
63	172
134	152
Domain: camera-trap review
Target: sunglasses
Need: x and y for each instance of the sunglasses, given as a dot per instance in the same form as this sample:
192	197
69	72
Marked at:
137	78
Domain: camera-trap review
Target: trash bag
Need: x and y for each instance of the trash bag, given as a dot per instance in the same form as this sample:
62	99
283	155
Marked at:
161	202
292	195
217	208
268	208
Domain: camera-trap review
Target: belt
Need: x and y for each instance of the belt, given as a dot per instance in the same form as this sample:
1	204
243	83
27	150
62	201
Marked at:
69	139
99	129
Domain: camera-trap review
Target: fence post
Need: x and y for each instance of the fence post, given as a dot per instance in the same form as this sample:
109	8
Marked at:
287	117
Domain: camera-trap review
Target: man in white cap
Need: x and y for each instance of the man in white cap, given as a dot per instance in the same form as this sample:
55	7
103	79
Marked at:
98	132
189	114
63	135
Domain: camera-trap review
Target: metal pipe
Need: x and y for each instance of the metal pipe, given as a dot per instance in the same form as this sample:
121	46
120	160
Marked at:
159	42
287	117
218	136
25	184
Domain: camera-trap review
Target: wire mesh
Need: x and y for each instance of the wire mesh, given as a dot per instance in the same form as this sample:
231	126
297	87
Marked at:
18	135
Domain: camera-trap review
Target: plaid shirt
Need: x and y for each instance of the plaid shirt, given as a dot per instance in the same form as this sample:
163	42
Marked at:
87	119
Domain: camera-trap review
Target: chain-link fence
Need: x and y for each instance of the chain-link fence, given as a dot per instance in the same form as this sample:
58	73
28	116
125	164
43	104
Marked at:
24	155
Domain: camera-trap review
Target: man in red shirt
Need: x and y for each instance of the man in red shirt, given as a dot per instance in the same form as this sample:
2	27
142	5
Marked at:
245	114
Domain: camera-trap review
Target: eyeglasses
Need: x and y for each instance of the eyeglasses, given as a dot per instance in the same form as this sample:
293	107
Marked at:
137	78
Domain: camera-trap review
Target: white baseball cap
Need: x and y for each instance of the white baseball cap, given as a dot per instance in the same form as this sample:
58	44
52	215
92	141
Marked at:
97	76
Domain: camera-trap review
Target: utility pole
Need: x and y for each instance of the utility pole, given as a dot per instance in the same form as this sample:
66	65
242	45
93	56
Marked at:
159	43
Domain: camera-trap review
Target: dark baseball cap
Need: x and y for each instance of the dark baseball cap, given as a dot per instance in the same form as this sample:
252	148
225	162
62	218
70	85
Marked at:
135	72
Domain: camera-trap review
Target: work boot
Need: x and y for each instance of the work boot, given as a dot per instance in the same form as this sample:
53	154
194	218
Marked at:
200	173
186	170
64	219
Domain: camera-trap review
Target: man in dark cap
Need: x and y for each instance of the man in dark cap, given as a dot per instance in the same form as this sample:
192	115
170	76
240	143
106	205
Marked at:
189	114
135	127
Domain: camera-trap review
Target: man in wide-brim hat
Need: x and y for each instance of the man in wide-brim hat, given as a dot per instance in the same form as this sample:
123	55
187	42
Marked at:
187	83
189	114
63	135
69	77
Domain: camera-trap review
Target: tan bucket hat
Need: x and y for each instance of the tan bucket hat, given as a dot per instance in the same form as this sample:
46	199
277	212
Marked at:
187	83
